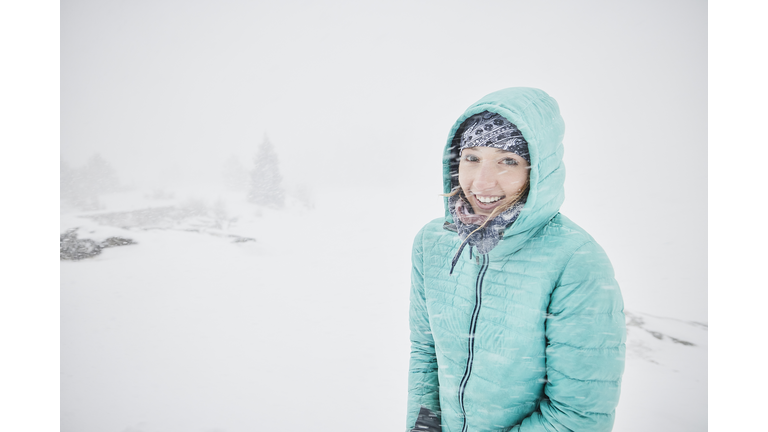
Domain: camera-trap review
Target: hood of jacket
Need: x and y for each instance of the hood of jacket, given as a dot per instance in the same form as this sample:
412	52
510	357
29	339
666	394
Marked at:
537	116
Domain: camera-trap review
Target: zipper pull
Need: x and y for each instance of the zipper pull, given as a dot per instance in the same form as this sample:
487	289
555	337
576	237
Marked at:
477	259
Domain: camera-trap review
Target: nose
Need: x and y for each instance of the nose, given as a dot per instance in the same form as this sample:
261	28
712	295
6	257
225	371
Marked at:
485	178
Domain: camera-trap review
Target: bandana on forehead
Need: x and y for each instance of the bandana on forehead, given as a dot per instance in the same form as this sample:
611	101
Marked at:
493	130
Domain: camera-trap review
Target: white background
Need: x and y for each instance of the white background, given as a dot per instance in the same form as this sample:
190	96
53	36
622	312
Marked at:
31	117
364	94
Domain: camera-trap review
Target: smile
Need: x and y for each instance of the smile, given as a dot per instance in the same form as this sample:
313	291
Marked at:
487	200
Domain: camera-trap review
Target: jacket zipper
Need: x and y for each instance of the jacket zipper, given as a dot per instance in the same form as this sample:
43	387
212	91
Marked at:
471	340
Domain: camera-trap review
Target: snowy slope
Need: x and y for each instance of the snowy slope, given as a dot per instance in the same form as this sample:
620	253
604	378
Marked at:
665	383
199	328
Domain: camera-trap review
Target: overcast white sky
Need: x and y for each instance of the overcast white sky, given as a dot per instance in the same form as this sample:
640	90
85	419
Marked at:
364	94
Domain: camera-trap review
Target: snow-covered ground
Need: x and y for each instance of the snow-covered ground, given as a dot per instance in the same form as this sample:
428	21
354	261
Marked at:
229	317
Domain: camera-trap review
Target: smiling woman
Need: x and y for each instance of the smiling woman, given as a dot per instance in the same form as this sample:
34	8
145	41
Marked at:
527	334
491	177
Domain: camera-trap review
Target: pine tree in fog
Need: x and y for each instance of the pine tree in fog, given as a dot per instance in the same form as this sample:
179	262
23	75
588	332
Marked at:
82	186
265	186
99	177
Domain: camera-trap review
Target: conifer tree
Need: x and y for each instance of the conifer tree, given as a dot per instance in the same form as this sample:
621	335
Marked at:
99	176
82	186
265	186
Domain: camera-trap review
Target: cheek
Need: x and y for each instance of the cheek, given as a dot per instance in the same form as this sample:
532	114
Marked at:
515	180
464	179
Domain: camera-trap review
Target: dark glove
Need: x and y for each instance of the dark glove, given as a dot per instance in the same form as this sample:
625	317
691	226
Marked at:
428	421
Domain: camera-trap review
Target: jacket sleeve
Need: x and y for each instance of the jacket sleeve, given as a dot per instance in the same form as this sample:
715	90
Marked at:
422	374
586	337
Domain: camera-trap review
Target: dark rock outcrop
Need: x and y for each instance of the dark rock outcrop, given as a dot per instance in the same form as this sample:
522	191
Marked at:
73	248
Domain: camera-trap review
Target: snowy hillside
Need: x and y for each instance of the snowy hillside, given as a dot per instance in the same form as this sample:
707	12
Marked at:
665	382
224	316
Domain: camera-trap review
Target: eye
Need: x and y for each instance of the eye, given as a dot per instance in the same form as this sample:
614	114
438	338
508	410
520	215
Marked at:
471	158
509	161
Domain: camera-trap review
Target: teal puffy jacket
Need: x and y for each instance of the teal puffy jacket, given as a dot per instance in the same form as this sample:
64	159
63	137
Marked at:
531	336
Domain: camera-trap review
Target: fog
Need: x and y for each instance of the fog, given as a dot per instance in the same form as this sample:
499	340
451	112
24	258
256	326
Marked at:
361	93
168	104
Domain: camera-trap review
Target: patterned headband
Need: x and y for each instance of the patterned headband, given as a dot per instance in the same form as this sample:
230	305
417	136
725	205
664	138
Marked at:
493	130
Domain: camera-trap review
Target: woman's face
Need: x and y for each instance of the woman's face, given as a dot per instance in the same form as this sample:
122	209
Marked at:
488	175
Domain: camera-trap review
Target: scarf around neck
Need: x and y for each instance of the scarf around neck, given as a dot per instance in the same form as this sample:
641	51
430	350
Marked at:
466	222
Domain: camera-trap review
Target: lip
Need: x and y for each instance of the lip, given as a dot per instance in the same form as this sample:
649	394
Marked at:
483	206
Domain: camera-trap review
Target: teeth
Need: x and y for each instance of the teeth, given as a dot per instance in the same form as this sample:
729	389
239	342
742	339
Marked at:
487	200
